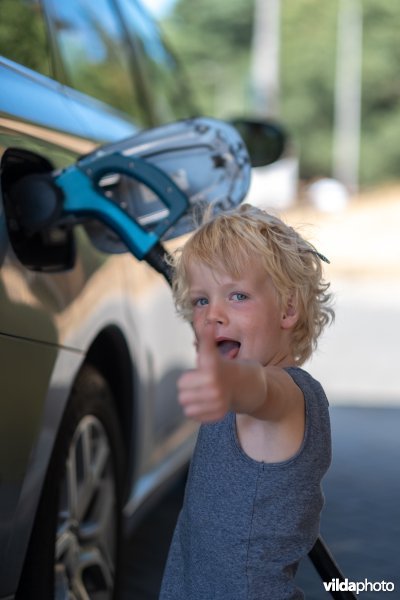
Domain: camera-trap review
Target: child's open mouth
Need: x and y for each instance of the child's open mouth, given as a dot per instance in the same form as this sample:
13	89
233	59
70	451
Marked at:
228	348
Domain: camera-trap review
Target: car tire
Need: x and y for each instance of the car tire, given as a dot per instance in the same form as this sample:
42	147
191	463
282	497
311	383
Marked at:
74	549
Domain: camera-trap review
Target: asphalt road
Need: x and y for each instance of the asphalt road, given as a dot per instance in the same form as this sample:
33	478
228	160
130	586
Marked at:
146	551
360	521
361	518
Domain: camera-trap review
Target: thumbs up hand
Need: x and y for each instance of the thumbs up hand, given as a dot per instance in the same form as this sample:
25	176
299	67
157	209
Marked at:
205	393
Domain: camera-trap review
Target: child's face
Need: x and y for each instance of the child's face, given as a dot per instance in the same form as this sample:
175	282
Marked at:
249	322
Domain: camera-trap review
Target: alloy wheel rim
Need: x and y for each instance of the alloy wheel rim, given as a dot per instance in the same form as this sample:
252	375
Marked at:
85	550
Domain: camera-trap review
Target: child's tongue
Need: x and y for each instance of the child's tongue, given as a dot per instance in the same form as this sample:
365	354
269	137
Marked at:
228	348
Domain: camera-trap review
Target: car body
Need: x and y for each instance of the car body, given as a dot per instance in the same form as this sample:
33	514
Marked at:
90	343
76	322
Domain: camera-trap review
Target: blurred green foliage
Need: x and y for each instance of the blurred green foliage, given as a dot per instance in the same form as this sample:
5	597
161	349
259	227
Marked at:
213	37
23	21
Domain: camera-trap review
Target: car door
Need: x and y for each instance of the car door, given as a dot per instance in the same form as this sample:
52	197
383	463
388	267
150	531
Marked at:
79	29
52	307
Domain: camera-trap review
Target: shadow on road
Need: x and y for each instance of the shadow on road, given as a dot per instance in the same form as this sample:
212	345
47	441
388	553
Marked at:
146	551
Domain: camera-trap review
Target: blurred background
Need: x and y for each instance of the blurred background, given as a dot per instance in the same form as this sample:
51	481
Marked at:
328	72
315	66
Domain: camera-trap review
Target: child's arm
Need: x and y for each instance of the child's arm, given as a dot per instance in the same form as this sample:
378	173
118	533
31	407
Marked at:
218	386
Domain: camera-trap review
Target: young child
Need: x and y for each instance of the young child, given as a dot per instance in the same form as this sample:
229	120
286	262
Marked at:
252	288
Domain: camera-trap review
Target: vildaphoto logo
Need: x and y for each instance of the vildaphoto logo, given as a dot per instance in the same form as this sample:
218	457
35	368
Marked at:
338	585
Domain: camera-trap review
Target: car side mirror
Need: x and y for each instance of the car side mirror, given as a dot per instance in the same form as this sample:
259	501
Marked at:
266	140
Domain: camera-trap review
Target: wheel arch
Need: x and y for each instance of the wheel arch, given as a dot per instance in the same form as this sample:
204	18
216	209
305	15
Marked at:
109	354
90	396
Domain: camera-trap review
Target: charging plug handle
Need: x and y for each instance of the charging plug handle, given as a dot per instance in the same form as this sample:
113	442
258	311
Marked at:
83	197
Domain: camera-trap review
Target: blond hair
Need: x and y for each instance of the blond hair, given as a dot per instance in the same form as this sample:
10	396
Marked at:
232	239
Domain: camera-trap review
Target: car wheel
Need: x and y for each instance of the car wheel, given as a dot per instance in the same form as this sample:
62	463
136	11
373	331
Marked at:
74	549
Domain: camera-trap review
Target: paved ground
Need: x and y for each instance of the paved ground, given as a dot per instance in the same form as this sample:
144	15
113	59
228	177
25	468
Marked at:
145	552
357	359
362	240
361	519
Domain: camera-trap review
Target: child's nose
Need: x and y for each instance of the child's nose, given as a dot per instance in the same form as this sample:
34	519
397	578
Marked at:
216	314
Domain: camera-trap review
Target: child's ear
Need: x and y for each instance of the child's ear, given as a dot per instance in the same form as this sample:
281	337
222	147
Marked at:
289	315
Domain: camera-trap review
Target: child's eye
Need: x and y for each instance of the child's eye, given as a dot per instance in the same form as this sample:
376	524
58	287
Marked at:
199	301
238	297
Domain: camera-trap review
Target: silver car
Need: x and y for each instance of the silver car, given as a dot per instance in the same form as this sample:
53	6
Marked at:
90	345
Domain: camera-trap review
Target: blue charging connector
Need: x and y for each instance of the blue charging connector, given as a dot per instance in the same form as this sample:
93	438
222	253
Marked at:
83	197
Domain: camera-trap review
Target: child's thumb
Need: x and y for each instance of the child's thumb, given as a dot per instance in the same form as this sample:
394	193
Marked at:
207	347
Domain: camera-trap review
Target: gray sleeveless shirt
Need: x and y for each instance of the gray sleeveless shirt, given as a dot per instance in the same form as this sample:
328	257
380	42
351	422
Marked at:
245	524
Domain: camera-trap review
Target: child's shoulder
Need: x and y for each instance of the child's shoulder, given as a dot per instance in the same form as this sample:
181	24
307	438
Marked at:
305	381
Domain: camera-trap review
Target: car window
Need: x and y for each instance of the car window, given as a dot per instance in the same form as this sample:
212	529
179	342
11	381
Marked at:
23	34
91	43
161	72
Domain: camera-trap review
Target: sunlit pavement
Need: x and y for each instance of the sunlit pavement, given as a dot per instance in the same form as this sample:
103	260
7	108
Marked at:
357	358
